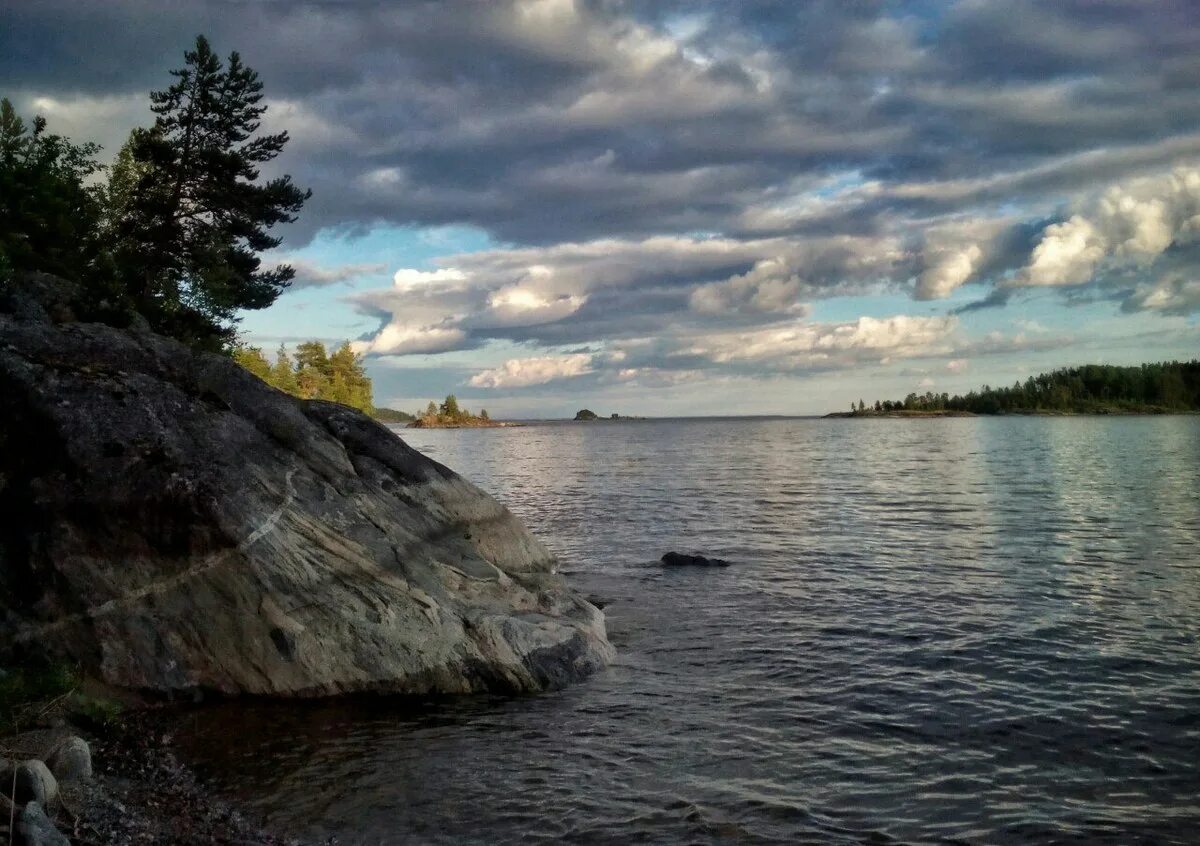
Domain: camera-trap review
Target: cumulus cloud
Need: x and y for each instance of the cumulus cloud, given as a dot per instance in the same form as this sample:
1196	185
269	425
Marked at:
1067	255
796	348
1170	295
1129	224
955	253
597	290
770	286
523	372
520	306
398	339
805	346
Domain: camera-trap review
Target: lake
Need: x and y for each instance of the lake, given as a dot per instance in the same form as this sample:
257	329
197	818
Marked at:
980	630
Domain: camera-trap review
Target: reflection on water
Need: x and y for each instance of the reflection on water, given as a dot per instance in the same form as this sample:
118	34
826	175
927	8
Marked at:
964	629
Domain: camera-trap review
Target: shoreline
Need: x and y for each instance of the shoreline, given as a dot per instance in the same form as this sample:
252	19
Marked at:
833	415
140	791
502	424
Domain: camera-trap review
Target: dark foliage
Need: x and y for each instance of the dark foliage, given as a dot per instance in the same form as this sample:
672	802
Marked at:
197	215
1092	388
50	209
176	231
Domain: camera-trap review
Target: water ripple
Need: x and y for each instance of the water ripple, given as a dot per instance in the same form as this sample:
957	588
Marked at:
938	631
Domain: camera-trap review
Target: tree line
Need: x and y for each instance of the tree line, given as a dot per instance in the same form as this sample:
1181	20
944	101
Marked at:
1093	388
171	233
313	373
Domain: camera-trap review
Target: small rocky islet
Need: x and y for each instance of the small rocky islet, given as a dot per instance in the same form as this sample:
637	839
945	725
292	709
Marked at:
181	529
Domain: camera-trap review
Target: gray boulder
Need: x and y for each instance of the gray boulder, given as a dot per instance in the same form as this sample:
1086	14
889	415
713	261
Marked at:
36	828
71	760
172	523
35	783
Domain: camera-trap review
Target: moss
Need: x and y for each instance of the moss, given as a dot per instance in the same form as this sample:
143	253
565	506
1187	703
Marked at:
29	693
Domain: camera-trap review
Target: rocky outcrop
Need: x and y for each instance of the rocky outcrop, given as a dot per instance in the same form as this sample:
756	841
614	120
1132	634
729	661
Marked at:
174	524
679	559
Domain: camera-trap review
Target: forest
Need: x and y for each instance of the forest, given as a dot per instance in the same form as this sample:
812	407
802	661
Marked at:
313	373
1169	386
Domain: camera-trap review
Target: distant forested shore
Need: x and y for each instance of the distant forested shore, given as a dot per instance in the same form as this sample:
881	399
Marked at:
1160	388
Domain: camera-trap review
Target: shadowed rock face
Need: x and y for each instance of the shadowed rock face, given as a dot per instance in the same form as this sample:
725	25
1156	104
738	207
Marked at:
173	523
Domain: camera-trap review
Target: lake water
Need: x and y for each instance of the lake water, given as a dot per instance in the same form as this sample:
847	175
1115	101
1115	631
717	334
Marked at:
951	630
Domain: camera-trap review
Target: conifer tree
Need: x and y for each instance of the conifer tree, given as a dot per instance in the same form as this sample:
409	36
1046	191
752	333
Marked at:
49	208
282	375
252	359
197	215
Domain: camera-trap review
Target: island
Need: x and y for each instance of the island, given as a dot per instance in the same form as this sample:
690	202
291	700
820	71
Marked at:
1167	387
587	415
450	415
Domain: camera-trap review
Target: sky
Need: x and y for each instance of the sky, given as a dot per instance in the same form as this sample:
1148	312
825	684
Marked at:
655	207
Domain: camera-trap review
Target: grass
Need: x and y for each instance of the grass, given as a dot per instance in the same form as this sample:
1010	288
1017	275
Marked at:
29	693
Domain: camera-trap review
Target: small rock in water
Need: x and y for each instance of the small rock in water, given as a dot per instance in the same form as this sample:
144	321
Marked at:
35	783
678	559
37	830
72	760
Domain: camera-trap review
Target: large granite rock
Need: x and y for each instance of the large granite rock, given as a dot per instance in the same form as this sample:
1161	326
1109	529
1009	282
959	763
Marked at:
173	524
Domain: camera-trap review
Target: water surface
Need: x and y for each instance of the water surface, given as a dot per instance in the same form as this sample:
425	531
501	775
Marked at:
950	630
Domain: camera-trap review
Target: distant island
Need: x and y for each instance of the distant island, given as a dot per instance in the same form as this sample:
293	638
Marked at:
586	414
1161	388
449	415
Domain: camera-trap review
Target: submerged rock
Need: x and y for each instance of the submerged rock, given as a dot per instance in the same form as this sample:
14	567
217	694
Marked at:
172	523
678	559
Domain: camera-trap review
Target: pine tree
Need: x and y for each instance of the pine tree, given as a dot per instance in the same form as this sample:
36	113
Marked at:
349	383
198	217
252	359
282	375
49	208
312	370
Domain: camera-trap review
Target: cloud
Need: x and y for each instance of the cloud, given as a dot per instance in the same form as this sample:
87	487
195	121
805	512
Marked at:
544	121
523	372
396	339
596	290
313	275
687	183
1170	295
409	279
954	254
769	287
1067	255
796	346
1129	224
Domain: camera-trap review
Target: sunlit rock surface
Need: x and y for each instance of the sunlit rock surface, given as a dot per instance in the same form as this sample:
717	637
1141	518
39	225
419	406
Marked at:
173	523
